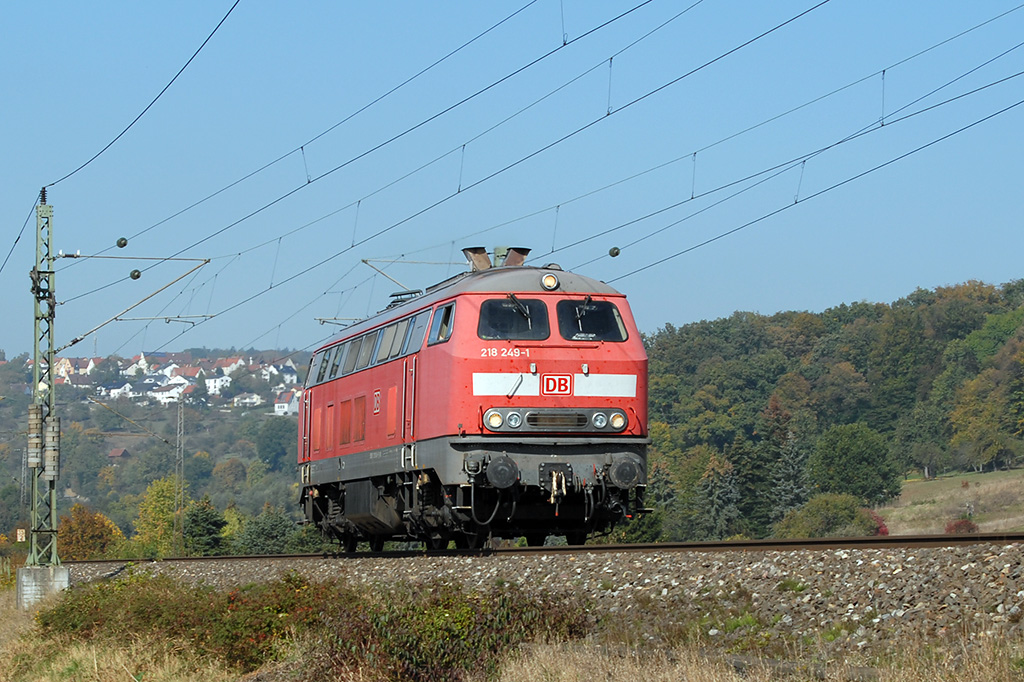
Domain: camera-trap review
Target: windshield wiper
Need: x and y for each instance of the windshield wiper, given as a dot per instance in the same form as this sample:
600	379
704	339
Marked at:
581	310
522	309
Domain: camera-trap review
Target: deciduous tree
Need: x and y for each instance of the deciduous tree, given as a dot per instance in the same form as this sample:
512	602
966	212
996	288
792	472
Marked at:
86	534
154	528
854	459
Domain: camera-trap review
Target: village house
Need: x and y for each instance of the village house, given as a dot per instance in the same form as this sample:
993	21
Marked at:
246	400
287	403
217	382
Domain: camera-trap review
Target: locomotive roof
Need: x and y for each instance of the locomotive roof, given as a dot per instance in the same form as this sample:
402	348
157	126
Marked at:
519	279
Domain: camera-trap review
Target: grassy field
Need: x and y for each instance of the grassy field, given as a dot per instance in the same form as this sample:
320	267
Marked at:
993	500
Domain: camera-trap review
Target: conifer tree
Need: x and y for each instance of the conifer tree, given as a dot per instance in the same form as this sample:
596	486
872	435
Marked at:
752	476
717	496
790	488
203	526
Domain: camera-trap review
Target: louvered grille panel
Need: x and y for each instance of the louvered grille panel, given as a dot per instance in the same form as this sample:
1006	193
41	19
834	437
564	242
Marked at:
556	420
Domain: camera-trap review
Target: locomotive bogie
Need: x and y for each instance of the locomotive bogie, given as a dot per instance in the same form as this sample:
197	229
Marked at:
509	402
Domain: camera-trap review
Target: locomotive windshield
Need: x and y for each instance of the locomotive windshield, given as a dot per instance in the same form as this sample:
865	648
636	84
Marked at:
589	320
513	318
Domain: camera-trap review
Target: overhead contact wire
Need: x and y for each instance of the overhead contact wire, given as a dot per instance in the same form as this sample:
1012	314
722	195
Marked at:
818	193
148	106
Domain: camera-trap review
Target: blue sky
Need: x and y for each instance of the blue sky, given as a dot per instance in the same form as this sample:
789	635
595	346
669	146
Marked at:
565	128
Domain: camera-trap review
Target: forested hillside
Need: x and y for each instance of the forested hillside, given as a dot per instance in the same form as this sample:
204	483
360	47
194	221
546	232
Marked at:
794	424
752	416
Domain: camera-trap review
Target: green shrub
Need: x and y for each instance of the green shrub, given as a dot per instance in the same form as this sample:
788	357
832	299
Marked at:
402	632
829	515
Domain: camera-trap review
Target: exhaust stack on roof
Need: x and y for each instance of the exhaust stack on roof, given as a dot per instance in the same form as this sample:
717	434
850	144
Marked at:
478	258
504	256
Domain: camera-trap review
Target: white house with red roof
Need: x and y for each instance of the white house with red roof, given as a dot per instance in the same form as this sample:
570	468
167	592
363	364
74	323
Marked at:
287	403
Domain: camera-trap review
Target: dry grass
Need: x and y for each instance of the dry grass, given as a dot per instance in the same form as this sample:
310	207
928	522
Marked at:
996	500
573	663
24	659
13	622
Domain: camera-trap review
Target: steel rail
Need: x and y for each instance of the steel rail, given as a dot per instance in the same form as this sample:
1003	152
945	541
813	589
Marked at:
766	545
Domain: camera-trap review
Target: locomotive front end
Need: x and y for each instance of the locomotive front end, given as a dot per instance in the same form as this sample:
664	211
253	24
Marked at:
555	378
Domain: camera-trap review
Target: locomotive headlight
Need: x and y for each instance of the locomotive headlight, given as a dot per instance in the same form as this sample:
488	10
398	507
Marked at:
549	282
600	420
494	420
514	419
618	421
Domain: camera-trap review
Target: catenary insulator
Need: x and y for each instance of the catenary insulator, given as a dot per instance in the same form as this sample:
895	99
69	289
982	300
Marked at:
35	436
51	449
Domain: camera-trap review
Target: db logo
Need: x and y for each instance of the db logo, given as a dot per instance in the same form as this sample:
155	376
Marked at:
376	402
556	384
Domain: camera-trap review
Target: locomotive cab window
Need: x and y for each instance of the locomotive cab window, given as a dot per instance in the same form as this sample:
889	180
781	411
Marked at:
589	320
325	361
314	368
513	318
441	327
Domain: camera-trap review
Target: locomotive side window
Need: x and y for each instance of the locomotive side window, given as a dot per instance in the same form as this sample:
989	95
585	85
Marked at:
337	360
441	327
589	320
366	351
387	337
513	318
353	355
418	327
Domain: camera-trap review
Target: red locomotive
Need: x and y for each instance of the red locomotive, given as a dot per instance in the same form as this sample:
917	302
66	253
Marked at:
510	400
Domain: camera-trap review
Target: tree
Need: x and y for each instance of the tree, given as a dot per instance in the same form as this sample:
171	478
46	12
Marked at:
11	511
277	442
86	534
154	528
854	459
828	515
983	423
921	439
203	526
717	498
752	478
790	487
230	474
268	533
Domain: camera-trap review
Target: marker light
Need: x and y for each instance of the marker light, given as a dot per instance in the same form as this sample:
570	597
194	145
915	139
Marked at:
549	281
494	420
600	420
618	421
515	420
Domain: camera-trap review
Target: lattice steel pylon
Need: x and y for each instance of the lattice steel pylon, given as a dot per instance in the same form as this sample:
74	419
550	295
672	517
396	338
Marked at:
43	455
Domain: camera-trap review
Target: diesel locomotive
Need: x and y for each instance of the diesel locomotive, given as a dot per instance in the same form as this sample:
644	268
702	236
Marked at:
508	401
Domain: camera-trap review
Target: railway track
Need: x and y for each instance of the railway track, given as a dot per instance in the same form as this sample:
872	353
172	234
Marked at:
767	545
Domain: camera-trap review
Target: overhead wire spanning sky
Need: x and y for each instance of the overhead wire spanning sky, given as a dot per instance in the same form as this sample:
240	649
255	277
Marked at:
742	156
